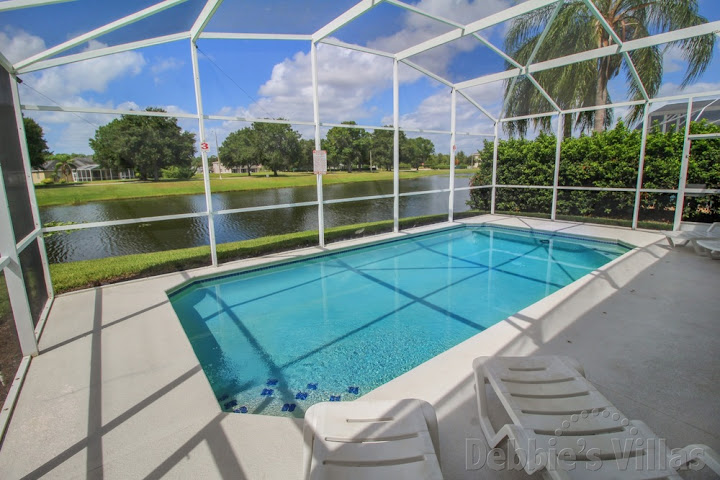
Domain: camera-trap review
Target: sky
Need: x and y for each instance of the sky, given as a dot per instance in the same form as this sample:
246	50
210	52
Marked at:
273	78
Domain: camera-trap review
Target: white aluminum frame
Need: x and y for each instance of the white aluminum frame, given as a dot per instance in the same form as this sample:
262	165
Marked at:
203	153
86	37
49	58
10	247
682	181
19	300
316	118
8	5
453	147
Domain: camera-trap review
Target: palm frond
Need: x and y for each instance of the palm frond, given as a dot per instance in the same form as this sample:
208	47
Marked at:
667	15
574	30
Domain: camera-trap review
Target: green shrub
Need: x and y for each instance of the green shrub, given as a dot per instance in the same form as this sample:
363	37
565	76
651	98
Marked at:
88	273
178	173
47	181
608	159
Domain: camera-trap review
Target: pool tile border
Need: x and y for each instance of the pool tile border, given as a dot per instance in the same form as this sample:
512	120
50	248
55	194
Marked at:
179	289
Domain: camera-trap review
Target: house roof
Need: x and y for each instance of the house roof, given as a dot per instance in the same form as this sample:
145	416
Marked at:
84	163
675	108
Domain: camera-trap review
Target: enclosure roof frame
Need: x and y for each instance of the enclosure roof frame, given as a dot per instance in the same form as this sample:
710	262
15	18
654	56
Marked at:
49	58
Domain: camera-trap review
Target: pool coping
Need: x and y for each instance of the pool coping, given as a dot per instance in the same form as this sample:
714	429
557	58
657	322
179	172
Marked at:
187	285
242	270
132	367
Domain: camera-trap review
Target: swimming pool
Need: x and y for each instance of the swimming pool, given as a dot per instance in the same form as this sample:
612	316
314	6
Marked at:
276	339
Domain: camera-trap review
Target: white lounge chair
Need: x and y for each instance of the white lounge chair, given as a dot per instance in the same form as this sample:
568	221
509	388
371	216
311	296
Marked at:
394	440
563	427
682	237
709	247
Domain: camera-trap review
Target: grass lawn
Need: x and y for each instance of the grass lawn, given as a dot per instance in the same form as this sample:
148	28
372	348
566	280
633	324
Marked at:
95	191
88	273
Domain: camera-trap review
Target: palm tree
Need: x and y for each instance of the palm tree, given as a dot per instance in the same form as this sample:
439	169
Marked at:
574	30
64	167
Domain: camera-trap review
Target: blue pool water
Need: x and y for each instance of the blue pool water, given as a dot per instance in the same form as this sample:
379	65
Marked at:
275	340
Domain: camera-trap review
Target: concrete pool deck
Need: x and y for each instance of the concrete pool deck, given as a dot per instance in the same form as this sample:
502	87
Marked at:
117	391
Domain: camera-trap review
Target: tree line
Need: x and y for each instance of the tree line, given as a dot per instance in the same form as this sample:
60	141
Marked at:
279	147
606	159
156	146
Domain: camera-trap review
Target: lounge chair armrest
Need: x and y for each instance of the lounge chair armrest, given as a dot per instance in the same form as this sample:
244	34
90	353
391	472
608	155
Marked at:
432	423
697	451
521	443
714	226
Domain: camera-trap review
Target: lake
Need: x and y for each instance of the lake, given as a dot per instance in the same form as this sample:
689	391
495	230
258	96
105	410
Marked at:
104	242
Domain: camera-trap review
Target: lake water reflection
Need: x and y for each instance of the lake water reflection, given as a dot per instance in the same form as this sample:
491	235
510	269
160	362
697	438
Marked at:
166	235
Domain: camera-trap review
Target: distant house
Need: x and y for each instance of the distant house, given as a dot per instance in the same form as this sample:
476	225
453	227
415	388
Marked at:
86	170
218	167
39	175
672	117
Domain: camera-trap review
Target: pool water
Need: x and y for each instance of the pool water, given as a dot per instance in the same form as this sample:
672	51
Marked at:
275	340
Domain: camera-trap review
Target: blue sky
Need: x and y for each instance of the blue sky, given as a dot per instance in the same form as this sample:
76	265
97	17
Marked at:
272	78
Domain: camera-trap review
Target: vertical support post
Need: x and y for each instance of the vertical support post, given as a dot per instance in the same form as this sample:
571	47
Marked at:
682	181
316	116
30	187
641	166
496	144
14	279
556	175
206	169
396	148
453	147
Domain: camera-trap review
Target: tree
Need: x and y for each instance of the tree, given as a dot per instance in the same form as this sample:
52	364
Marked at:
37	146
64	166
381	148
418	151
277	145
240	149
575	29
304	160
147	144
461	158
345	146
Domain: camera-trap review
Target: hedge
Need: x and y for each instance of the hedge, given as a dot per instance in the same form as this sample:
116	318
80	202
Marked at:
607	159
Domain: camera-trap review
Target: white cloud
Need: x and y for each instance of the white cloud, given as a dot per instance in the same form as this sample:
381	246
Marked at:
673	59
164	65
489	95
94	75
17	44
347	81
68	85
433	113
671	88
417	28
